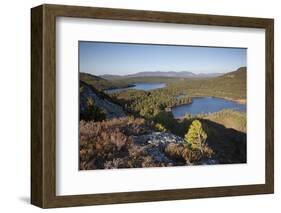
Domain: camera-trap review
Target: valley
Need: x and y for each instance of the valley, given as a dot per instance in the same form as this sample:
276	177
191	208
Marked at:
144	120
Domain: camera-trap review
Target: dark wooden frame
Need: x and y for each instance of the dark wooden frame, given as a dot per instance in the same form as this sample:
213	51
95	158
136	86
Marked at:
43	105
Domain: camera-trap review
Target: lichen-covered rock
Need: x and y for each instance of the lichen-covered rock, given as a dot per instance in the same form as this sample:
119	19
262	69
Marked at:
158	138
154	145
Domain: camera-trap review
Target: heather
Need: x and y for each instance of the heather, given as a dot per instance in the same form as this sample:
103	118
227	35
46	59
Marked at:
124	143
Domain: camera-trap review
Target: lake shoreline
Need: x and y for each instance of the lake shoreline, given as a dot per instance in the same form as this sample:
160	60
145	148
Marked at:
132	85
125	87
230	104
137	86
239	101
181	107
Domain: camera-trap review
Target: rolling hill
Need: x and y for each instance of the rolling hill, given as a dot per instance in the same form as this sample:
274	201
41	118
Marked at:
100	83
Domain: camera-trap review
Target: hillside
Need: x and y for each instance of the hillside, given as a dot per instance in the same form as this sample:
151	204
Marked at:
100	100
240	73
229	86
100	83
130	142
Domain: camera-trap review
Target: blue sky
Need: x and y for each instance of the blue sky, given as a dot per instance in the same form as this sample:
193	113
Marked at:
101	58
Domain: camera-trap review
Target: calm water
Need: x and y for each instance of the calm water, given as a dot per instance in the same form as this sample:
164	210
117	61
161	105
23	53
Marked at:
139	86
206	105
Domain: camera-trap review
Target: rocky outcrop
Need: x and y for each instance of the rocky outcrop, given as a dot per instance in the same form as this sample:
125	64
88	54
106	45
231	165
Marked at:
154	145
111	109
158	139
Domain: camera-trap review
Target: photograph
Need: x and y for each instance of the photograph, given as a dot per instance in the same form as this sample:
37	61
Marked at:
161	105
169	105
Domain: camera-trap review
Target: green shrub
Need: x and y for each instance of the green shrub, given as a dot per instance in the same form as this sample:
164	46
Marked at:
92	112
166	119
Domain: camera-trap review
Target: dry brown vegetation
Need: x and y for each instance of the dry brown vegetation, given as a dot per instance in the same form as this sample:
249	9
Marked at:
179	152
109	144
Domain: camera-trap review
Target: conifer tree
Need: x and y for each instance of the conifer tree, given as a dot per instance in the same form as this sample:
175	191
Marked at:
196	136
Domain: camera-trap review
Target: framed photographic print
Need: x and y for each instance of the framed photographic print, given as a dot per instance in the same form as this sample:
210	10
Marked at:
136	106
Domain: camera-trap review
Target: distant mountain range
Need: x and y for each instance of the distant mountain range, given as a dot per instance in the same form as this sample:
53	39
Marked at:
231	84
175	74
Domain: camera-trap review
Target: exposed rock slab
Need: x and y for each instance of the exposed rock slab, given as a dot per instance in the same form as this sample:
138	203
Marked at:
154	145
112	110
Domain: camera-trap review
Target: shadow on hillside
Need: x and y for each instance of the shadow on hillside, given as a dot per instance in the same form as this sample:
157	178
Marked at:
228	144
